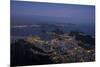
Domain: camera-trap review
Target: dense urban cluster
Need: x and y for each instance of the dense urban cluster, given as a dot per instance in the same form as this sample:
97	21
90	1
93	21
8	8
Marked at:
62	48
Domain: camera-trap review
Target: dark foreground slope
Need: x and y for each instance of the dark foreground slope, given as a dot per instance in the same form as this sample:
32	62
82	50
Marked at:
62	49
21	54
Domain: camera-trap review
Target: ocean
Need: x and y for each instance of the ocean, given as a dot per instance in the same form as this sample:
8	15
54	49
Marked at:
44	30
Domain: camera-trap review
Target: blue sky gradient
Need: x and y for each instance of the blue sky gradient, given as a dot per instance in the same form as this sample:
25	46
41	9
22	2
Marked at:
35	12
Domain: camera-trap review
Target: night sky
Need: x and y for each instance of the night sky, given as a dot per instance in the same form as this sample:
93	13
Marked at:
35	12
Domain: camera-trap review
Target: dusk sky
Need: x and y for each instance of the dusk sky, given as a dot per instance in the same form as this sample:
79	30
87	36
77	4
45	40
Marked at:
31	12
